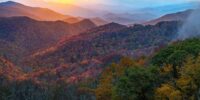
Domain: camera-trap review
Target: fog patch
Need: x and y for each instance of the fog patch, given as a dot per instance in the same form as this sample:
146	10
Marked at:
191	27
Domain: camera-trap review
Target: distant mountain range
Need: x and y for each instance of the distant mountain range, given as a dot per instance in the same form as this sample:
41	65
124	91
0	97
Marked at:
141	15
11	9
179	16
128	18
99	17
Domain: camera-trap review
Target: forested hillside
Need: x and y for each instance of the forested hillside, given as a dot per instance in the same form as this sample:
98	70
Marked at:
21	36
172	73
85	55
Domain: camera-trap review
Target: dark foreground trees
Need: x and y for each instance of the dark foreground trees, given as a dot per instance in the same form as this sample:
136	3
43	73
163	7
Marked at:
136	84
30	90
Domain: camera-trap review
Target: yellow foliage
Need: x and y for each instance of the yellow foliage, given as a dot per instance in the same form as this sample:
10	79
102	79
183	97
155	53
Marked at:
109	75
127	62
166	69
186	86
167	92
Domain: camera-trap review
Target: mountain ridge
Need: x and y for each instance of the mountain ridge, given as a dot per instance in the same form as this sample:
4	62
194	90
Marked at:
178	16
11	8
88	51
31	35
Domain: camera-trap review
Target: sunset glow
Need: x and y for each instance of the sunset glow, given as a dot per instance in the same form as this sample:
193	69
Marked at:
61	1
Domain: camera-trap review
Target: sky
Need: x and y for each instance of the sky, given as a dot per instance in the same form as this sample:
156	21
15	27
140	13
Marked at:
130	3
93	8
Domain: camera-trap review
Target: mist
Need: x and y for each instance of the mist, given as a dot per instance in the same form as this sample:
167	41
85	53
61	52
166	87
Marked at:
191	27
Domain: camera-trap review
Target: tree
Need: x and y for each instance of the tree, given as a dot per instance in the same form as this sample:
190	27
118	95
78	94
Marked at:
137	83
110	76
176	59
104	89
4	92
176	54
28	90
186	87
167	92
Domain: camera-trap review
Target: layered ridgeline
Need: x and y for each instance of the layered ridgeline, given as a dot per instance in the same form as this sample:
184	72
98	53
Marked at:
10	9
20	36
13	9
84	55
178	16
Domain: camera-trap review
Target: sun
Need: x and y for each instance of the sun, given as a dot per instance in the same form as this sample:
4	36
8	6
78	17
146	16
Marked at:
65	1
61	1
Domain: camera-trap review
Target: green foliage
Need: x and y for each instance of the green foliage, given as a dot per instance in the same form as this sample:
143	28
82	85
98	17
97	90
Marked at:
127	81
182	60
136	84
177	79
176	54
110	77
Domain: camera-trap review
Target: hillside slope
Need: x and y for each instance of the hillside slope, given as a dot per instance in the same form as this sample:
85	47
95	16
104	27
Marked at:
27	35
85	54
